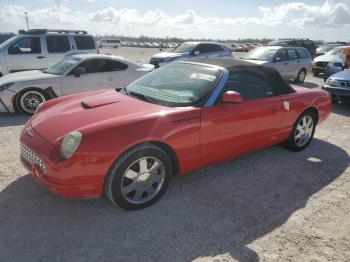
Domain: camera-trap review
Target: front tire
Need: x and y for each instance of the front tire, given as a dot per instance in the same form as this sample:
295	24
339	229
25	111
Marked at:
139	178
302	132
301	76
27	100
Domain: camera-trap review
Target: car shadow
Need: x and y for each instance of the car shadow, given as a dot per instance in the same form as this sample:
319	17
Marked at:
216	210
342	109
13	119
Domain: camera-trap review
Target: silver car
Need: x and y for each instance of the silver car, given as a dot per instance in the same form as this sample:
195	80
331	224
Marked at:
293	63
188	50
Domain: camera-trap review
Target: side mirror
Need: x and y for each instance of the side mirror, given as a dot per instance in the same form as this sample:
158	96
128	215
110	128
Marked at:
231	97
277	59
78	71
194	53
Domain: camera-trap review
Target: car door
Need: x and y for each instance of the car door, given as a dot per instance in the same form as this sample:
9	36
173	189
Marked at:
304	58
280	61
293	63
98	75
27	53
229	130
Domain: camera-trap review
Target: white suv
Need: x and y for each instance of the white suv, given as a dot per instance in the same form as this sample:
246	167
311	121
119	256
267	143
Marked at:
42	48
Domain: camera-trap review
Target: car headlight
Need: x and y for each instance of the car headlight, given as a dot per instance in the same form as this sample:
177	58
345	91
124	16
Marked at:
70	144
6	86
334	83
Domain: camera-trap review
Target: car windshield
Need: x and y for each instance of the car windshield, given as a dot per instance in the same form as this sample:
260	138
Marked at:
5	43
261	54
176	84
63	66
185	48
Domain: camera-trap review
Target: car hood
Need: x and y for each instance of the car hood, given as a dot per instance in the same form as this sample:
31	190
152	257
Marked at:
25	76
343	75
90	110
329	58
168	55
258	62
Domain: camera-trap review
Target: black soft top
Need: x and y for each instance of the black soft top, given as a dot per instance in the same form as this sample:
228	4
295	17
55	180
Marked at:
270	75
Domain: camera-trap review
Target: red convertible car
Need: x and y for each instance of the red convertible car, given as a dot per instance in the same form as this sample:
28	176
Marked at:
128	143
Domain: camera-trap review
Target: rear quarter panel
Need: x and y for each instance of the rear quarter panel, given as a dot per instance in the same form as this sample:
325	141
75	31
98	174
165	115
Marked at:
305	99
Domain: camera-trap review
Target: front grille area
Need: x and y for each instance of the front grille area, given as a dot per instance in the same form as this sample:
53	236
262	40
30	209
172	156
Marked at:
322	64
29	156
345	84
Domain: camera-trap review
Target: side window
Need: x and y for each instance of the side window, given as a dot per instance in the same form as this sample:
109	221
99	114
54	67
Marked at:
214	48
84	42
100	66
292	54
207	48
282	55
118	66
249	85
26	45
202	48
302	53
57	43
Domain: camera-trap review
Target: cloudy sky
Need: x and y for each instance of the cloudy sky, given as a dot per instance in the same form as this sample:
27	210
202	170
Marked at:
220	19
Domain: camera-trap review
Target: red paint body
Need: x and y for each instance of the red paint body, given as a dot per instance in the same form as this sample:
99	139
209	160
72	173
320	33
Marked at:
115	122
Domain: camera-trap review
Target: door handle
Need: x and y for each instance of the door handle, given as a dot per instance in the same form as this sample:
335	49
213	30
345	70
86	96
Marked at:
110	78
285	63
40	57
298	61
274	109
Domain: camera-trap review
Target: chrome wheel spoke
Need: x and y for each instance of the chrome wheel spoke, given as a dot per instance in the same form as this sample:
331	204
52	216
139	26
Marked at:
130	188
131	174
150	190
154	168
155	178
143	165
138	194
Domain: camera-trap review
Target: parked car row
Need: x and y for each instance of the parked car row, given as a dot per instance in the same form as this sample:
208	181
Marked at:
189	50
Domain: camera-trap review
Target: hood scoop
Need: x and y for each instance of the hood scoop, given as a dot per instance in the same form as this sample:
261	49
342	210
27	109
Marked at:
94	102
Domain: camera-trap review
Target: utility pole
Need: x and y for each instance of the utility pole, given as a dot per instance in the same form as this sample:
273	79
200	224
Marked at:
26	13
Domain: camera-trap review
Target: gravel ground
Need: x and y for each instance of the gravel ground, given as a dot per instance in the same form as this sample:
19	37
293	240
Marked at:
272	205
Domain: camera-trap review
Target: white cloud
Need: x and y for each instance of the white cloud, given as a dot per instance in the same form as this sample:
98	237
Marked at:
301	17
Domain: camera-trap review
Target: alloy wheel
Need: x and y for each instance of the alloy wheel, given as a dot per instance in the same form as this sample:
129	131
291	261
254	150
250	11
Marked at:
30	100
303	132
142	180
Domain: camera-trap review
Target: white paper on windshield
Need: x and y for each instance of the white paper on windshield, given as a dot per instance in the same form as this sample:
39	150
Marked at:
205	77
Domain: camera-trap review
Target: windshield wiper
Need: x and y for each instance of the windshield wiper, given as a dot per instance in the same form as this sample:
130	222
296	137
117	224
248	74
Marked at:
143	97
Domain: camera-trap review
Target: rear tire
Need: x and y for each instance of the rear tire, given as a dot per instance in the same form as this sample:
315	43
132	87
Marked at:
301	76
302	132
139	178
27	100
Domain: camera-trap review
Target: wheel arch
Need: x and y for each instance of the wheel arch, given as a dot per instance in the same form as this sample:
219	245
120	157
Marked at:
48	91
164	146
314	110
